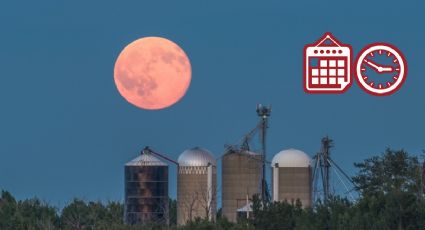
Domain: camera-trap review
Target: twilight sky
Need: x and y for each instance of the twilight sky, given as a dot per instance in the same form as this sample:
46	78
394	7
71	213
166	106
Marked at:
66	132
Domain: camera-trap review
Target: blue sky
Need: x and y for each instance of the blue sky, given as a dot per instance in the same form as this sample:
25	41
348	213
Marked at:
66	132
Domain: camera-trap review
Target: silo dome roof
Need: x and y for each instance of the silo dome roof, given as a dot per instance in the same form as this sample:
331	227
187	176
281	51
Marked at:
146	159
196	157
291	158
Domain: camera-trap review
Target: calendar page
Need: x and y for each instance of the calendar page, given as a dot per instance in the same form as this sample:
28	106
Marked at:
327	66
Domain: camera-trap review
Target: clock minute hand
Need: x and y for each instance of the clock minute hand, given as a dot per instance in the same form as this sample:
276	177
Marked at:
378	68
372	64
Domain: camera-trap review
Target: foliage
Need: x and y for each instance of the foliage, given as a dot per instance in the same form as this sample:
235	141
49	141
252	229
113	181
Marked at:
392	172
92	215
173	211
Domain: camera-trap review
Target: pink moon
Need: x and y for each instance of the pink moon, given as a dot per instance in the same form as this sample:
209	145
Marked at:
152	73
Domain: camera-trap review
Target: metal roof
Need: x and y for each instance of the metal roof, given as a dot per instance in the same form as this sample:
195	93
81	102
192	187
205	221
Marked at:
146	159
196	157
291	158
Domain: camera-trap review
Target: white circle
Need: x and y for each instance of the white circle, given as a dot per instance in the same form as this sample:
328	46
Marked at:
400	76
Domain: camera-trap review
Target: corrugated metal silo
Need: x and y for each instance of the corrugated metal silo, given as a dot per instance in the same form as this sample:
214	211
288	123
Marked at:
241	179
146	190
196	185
291	177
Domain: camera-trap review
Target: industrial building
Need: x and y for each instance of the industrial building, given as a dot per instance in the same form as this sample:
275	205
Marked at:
291	177
146	190
241	179
196	185
243	176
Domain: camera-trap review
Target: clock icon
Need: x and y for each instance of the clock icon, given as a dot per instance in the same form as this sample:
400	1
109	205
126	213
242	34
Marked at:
381	69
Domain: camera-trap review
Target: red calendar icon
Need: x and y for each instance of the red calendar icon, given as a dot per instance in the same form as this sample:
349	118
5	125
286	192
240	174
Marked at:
327	66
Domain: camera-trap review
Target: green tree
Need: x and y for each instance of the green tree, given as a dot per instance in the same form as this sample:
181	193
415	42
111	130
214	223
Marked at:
9	213
38	215
388	185
75	216
334	214
28	214
92	215
276	215
393	171
172	211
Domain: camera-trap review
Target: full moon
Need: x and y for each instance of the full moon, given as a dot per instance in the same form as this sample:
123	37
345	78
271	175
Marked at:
152	73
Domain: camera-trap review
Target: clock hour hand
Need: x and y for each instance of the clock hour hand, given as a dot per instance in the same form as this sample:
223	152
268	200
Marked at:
378	68
386	69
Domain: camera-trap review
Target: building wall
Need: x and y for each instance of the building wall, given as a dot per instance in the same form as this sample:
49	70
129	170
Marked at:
293	183
241	176
146	194
194	198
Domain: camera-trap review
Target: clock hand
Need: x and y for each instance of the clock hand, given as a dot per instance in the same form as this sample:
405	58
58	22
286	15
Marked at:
372	64
379	68
386	69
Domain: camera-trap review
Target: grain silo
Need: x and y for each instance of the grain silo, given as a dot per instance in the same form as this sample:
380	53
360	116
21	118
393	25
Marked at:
241	179
146	190
291	177
196	185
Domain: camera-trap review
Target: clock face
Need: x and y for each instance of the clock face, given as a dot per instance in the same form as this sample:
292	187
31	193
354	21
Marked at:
381	69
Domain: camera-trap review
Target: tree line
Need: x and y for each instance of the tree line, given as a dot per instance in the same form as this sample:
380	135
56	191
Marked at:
389	185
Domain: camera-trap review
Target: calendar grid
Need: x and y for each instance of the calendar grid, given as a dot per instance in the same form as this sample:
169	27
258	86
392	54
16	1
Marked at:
329	71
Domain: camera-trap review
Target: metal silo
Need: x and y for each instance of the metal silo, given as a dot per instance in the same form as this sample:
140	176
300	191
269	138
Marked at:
146	190
241	179
291	177
196	185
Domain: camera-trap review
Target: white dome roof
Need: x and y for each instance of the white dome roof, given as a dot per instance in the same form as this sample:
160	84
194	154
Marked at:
146	159
291	158
196	157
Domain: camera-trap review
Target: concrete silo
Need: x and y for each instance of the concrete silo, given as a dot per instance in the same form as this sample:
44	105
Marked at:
196	185
146	190
241	179
291	177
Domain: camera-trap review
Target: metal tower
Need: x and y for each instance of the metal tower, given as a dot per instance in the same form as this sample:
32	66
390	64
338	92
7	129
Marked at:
323	164
245	144
264	113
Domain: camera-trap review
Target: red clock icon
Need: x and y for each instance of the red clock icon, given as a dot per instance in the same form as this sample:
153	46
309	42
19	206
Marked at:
381	69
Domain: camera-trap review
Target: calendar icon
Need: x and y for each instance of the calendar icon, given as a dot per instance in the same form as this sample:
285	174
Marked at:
327	66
